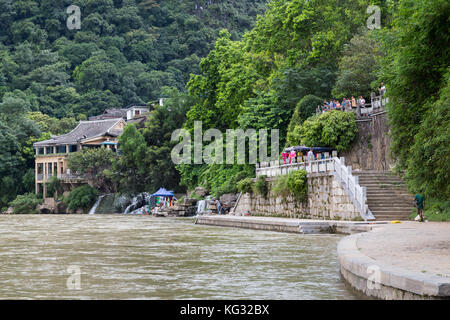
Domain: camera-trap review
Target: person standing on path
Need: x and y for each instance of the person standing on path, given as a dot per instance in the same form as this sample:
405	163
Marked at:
218	206
420	203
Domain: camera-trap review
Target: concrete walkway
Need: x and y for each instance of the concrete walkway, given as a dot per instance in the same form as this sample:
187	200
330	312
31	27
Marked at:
410	260
414	246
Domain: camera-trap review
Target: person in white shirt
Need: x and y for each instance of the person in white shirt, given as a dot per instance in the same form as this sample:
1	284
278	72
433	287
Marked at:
310	155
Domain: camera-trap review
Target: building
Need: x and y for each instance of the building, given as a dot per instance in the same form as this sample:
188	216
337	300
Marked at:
126	114
51	155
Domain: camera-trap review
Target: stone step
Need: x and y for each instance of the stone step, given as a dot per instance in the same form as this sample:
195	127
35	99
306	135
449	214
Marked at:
386	193
391	218
386	190
373	205
392	213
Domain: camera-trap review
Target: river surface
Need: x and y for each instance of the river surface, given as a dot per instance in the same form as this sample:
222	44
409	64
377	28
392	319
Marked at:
141	257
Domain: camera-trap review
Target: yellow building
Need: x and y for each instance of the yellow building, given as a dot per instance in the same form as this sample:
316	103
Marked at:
51	155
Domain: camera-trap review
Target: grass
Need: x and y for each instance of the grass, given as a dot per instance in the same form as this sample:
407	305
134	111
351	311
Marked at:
435	210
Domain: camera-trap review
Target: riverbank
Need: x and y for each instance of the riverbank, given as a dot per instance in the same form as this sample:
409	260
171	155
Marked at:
410	260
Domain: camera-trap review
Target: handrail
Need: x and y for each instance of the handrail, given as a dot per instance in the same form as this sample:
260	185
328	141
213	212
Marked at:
336	166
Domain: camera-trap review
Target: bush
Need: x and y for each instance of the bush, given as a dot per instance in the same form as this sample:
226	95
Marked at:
280	188
54	187
294	184
297	184
334	129
304	109
82	197
261	186
26	203
245	185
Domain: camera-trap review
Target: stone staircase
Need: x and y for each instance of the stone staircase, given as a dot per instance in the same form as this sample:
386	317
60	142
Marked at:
387	196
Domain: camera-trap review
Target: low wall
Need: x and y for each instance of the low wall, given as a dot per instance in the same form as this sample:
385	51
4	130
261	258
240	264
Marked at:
326	200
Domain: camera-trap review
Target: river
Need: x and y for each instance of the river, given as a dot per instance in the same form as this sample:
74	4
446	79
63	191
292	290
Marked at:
141	257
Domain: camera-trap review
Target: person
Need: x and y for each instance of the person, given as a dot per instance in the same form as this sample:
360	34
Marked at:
353	102
292	155
310	155
338	105
382	89
419	201
362	102
284	155
218	206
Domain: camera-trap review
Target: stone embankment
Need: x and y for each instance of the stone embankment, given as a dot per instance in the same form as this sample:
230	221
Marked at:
408	260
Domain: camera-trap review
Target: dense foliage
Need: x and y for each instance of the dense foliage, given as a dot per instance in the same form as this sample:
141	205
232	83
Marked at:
335	129
94	164
261	186
297	184
125	52
82	197
25	203
416	72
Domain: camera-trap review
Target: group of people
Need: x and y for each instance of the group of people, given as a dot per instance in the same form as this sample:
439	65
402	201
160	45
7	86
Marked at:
221	208
292	155
346	104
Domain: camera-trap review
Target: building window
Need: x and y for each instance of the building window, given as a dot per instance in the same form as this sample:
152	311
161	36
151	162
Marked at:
41	150
73	148
61	149
49	150
55	168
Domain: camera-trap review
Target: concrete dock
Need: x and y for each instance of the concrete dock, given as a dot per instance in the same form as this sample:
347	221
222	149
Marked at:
304	226
409	260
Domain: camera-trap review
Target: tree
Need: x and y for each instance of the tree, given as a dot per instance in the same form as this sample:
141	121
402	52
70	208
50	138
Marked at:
357	68
92	162
132	166
82	197
334	129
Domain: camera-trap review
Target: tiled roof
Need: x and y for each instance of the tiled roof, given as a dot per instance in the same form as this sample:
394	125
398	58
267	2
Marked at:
111	114
84	130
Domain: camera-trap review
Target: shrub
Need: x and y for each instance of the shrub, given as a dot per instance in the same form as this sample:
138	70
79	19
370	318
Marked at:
245	185
281	188
54	187
334	129
82	198
297	184
261	186
294	184
26	203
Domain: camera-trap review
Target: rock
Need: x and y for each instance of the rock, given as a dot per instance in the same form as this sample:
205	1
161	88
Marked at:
229	199
45	209
10	210
190	201
201	192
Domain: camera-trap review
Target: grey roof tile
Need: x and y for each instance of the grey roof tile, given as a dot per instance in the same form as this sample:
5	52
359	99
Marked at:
84	130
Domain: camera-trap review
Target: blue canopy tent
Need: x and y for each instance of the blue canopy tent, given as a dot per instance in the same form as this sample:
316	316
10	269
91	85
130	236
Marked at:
160	193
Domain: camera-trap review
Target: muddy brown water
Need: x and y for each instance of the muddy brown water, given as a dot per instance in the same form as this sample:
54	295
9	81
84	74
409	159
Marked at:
141	257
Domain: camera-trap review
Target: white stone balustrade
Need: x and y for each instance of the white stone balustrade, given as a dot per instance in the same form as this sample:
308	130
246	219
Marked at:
334	166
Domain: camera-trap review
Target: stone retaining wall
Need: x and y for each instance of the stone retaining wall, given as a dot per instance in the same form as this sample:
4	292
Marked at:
326	200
